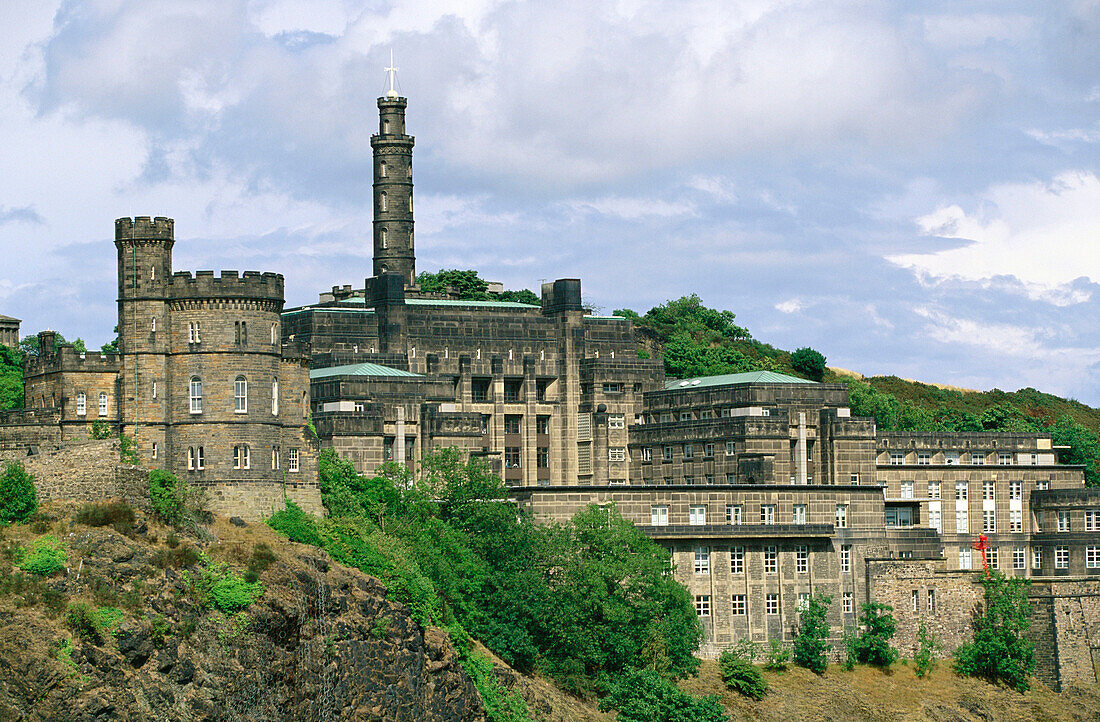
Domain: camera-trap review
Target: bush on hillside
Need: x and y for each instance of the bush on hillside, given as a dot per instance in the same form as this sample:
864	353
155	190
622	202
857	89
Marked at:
1000	650
647	696
18	498
175	501
741	675
45	556
811	645
872	644
117	514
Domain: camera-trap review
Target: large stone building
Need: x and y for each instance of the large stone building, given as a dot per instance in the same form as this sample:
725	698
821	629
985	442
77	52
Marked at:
9	331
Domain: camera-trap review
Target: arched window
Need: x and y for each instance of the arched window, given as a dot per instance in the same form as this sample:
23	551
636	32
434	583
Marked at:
274	329
240	395
153	324
274	458
190	458
81	404
240	457
384	236
275	397
382	169
102	403
410	203
382	201
196	395
305	405
385	126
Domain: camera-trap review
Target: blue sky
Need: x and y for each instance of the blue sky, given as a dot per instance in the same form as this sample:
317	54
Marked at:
911	188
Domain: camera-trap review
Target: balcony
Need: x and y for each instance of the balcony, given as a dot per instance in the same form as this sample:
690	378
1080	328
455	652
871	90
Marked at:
736	531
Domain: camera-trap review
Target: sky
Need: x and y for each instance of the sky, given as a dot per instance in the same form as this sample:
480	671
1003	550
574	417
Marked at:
909	188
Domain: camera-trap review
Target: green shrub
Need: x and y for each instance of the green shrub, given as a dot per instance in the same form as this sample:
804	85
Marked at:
176	558
500	704
1000	650
296	525
117	514
127	453
646	696
92	624
175	501
777	657
18	498
100	430
872	644
232	594
741	676
811	644
924	661
45	556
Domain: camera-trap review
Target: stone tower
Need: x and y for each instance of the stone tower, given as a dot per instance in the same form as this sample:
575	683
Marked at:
393	191
144	266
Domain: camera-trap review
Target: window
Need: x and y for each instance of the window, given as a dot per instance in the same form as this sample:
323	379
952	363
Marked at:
1015	490
1092	557
731	478
803	601
512	423
853	479
81	404
801	559
240	329
275	397
848	605
951	458
906	490
410	203
102	403
841	516
708	478
511	457
666	417
708	451
924	458
542	457
659	515
194	332
846	558
689	480
962	490
190	458
616	421
729	448
382	169
706	414
689	451
932	601
616	453
612	388
241	457
771	604
382	201
1063	521
154	389
240	395
934	519
1061	557
1004	459
196	395
292	460
154	449
798	515
737	560
1015	520
962	521
274	330
702	560
1040	520
897	458
647	455
914	600
666	453
385	126
771	560
1041	485
993	557
977	458
685	416
987	490
737	605
964	559
989	521
733	514
767	513
1036	558
1017	557
934	490
153	324
1092	519
702	605
697	515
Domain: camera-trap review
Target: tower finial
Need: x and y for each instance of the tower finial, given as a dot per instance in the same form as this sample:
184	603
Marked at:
392	71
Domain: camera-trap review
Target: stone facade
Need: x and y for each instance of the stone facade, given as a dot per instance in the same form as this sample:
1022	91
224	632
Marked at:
9	331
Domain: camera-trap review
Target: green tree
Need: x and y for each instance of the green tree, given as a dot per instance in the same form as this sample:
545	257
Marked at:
809	363
1000	650
111	346
646	696
29	345
1084	447
465	285
924	661
11	378
872	645
18	498
811	645
174	500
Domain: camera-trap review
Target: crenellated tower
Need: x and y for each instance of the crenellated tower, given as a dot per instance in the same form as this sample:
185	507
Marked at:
393	189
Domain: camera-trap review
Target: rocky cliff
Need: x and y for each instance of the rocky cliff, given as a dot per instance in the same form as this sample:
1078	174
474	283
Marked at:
129	630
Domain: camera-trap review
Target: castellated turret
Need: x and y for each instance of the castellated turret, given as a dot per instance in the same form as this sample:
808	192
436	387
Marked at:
393	192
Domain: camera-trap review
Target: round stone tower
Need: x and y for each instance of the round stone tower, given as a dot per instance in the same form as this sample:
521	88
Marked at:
393	192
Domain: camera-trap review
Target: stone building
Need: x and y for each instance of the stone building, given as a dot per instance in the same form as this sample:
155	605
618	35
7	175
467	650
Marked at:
9	331
202	382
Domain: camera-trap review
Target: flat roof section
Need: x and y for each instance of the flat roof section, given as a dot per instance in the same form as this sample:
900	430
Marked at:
363	369
751	377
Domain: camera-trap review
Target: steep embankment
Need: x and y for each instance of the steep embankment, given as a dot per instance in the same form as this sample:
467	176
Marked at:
132	631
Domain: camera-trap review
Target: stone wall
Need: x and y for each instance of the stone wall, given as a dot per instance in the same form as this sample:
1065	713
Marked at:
86	471
1073	608
256	501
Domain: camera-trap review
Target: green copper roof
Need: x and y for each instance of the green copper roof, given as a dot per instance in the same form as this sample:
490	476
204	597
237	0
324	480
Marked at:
363	369
752	377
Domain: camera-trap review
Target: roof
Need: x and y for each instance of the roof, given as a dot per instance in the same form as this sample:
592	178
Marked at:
7	318
752	377
363	369
449	302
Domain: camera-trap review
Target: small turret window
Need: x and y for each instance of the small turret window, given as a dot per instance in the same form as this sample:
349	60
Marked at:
196	395
152	273
240	395
410	204
384	236
275	397
274	458
382	169
385	126
382	201
241	332
274	331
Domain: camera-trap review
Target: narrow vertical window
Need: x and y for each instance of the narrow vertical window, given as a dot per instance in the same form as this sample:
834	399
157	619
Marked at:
275	397
410	203
240	395
384	236
154	449
382	169
273	331
244	333
196	395
190	458
274	458
200	460
81	404
382	201
154	389
152	273
153	324
102	403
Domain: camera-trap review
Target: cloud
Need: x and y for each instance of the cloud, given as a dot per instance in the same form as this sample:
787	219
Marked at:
1042	233
26	214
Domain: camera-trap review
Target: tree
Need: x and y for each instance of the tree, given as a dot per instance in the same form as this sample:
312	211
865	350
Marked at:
1084	447
809	363
111	346
872	645
811	644
11	378
469	286
18	498
1000	650
646	696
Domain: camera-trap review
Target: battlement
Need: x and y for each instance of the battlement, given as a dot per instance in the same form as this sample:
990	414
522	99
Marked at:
144	228
67	359
205	285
